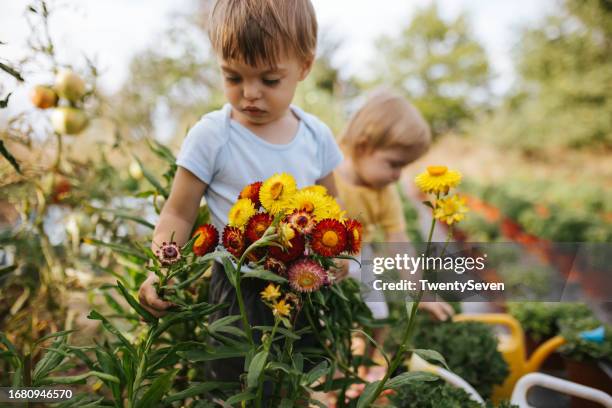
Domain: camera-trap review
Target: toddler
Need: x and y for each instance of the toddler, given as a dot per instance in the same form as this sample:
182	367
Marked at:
264	49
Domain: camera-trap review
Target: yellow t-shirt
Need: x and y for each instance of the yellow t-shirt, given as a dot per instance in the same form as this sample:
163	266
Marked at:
377	210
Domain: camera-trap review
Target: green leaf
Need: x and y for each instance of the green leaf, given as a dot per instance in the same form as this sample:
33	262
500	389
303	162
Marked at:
243	396
265	275
409	377
214	354
428	204
224	321
195	389
151	179
116	247
282	330
148	317
230	271
50	360
74	379
94	315
53	335
255	368
431	355
367	395
125	216
156	390
378	347
314	374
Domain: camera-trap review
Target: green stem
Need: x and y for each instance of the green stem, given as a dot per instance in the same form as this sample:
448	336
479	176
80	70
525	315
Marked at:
407	334
141	368
267	346
345	368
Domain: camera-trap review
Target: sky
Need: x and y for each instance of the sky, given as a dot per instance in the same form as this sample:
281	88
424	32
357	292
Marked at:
115	30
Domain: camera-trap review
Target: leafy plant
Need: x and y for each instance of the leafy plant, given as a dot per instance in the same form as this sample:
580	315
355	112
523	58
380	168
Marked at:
541	320
437	394
470	350
580	349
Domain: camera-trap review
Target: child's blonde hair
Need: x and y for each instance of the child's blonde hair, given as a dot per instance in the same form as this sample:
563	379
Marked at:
386	121
259	32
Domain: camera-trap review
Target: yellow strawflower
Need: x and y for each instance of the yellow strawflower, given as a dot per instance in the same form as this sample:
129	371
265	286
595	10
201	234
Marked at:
316	189
270	293
310	201
281	308
240	213
437	179
276	192
450	210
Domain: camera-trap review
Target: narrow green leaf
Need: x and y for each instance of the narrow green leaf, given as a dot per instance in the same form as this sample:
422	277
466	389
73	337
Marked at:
265	275
409	377
94	315
148	317
156	390
243	396
151	179
73	379
316	373
367	395
431	355
198	389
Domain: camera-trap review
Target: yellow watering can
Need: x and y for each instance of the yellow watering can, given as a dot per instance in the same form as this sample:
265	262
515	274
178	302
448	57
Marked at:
512	348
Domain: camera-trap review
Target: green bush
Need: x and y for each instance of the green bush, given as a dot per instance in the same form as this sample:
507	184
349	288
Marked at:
437	394
541	320
579	349
470	350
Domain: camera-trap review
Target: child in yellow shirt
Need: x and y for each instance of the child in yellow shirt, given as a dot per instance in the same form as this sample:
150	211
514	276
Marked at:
382	138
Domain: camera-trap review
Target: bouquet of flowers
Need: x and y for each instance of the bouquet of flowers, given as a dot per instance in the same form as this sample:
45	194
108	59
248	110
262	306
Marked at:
284	234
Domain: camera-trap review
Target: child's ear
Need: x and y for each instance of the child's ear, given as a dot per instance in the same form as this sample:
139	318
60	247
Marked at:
306	67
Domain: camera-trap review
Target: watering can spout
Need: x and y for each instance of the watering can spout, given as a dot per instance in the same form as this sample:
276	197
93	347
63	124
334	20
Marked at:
597	335
541	353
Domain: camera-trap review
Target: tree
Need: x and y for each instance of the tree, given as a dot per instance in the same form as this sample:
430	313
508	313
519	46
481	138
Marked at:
439	66
564	94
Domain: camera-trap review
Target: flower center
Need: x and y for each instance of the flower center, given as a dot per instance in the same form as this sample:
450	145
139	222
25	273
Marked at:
356	234
276	190
302	221
308	206
260	229
306	280
200	239
170	252
330	239
436	170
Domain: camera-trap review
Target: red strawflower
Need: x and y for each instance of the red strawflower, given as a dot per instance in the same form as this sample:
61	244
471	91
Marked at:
257	225
233	241
302	220
252	192
168	253
329	237
306	275
354	231
206	241
298	244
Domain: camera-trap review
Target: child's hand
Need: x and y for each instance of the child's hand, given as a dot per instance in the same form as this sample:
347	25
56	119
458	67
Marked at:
342	272
440	310
147	295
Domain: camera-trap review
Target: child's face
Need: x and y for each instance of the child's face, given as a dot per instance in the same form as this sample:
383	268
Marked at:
378	168
261	94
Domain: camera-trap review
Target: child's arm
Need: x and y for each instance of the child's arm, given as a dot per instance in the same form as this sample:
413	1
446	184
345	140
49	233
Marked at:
177	217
